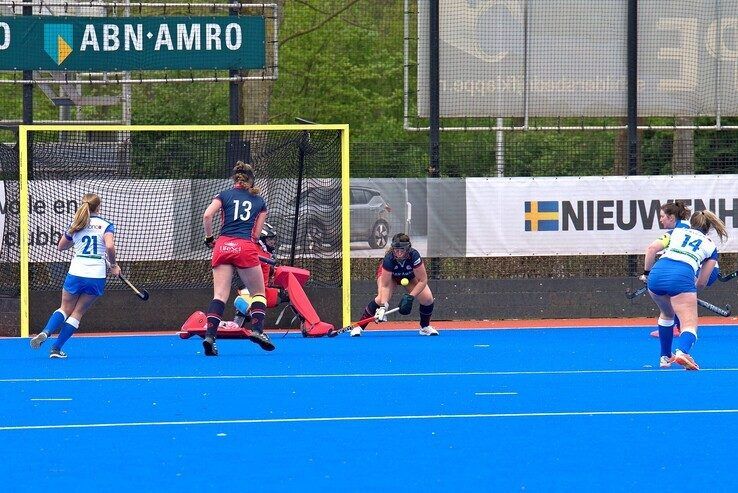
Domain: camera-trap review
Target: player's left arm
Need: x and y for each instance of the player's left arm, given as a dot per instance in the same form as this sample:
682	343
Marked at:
259	224
109	239
705	271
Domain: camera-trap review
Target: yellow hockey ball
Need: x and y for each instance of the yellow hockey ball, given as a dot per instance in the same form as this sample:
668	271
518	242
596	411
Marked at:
405	281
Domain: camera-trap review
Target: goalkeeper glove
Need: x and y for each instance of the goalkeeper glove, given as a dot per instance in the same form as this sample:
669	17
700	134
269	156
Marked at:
379	315
406	304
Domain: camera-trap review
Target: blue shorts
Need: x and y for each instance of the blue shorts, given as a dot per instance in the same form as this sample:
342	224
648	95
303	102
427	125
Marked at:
671	277
84	285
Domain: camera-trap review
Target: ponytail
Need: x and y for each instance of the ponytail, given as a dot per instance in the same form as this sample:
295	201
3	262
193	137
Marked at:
89	205
243	176
703	220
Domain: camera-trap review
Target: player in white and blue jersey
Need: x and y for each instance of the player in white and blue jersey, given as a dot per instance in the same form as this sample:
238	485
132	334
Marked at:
688	259
93	240
674	215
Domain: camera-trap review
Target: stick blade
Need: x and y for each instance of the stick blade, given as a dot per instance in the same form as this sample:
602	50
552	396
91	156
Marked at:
144	295
335	332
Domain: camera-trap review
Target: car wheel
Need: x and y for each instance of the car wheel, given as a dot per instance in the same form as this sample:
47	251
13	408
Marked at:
379	235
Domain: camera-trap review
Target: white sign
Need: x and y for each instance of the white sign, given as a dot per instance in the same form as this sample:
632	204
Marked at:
151	217
587	215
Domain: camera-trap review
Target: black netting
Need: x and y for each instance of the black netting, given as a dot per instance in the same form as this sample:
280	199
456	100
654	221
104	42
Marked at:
9	224
155	186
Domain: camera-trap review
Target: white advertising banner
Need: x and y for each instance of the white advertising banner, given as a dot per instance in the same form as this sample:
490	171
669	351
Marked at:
145	222
587	215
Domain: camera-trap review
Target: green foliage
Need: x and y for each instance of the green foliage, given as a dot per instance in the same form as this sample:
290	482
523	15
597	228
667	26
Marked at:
341	61
344	68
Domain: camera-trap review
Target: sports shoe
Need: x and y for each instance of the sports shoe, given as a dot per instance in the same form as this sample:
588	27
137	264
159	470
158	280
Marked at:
677	331
57	353
666	361
211	349
685	360
356	331
39	339
262	340
428	331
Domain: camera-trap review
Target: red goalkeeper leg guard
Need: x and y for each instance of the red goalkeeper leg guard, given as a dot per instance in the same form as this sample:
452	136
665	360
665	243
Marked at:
292	279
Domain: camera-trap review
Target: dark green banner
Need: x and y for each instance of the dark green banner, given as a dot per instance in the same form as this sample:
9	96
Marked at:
131	43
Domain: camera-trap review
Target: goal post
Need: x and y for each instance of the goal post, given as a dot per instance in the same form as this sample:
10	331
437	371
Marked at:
155	182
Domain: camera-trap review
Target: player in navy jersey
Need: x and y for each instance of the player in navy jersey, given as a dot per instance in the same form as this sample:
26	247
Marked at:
93	239
685	266
672	216
400	262
243	213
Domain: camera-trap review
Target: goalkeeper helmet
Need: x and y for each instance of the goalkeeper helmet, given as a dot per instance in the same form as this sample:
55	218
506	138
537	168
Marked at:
400	245
268	237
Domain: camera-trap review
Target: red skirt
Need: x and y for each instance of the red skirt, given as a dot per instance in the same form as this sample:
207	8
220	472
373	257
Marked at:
238	252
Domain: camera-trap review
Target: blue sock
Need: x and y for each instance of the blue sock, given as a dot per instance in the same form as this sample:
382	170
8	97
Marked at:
666	337
686	341
55	320
66	332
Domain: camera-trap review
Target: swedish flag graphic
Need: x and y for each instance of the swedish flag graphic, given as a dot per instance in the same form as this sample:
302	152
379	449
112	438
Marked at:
542	216
58	41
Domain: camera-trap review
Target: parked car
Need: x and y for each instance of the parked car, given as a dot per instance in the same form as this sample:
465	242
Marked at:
320	213
369	216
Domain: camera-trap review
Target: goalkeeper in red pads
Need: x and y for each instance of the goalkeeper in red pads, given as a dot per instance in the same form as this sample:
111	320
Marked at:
401	262
278	281
274	296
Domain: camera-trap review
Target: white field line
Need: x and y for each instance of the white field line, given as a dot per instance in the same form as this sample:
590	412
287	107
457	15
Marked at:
651	371
369	418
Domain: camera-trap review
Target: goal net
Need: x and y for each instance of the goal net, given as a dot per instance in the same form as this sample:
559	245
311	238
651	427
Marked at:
155	183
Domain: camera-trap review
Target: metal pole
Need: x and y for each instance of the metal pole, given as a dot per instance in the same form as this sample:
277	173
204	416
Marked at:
28	103
632	48
234	89
632	87
434	89
500	151
27	75
434	169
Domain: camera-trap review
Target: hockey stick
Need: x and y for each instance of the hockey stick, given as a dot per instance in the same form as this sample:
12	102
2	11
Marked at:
634	294
714	309
269	261
335	332
728	277
141	293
